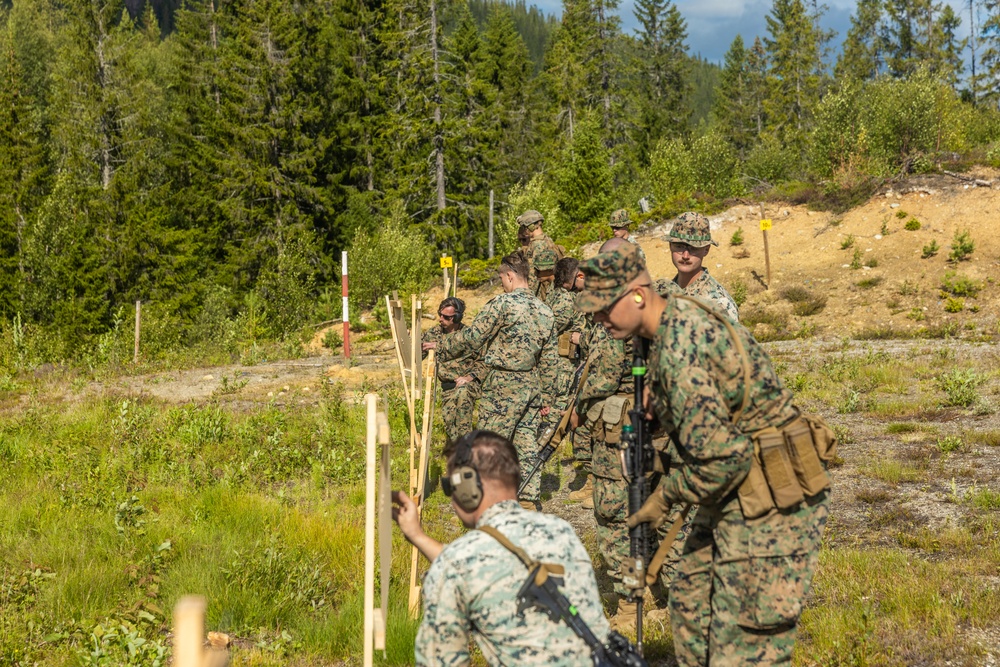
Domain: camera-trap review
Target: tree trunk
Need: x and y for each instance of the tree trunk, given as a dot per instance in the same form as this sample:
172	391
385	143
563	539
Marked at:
438	130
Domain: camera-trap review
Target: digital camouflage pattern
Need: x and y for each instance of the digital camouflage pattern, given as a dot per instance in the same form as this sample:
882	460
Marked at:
457	404
620	219
472	585
740	584
691	228
704	287
539	248
529	217
568	320
607	277
516	333
631	239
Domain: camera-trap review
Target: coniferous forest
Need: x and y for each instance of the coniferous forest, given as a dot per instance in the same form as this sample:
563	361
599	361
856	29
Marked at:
213	157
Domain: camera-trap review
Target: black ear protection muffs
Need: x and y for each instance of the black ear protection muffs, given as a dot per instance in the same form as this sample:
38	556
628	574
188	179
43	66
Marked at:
463	483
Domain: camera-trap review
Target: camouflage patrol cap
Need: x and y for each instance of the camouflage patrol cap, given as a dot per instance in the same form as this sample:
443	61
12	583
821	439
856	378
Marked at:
620	219
607	277
529	217
545	260
693	229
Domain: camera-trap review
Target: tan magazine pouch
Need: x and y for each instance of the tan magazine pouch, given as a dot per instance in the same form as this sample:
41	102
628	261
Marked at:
615	411
804	455
566	346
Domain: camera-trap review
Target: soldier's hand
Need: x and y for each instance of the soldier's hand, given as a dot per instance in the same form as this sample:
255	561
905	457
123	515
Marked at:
465	379
647	402
405	513
574	419
545	411
654	512
428	346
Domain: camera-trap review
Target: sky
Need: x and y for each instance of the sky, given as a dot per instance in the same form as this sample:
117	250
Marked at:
713	24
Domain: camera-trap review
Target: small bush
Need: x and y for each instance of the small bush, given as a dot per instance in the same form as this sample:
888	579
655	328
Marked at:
333	339
953	305
810	307
930	250
960	285
885	227
912	225
737	238
847	242
796	294
738	290
961	386
475	272
906	288
949	444
396	256
869	283
856	259
871	262
901	214
916	314
961	247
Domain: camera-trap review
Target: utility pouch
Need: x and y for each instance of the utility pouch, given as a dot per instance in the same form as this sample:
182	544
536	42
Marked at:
778	469
823	437
804	457
615	410
755	496
566	346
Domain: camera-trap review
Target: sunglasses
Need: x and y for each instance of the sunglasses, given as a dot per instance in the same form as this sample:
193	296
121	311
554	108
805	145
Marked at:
682	247
446	317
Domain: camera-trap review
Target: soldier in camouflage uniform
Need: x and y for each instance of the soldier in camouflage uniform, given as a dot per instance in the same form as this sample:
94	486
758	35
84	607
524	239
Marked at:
460	378
690	238
471	587
545	271
516	334
569	321
620	224
741	582
531	222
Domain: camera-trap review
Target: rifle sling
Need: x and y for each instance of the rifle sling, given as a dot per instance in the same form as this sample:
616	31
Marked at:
656	564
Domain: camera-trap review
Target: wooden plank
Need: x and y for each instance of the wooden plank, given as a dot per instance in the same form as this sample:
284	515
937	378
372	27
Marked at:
421	474
379	630
384	529
189	628
371	401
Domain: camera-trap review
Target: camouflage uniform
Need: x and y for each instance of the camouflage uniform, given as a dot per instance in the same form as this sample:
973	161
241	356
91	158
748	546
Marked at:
694	229
536	247
704	287
620	220
457	403
516	333
471	589
545	260
741	583
568	320
610	374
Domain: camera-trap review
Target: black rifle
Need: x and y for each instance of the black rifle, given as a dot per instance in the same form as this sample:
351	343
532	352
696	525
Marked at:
617	652
553	428
638	458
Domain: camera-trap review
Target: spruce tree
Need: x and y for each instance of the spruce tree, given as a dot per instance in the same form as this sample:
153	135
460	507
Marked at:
861	57
795	70
584	175
988	84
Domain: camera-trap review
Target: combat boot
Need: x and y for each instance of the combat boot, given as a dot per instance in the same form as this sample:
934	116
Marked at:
624	618
528	505
585	492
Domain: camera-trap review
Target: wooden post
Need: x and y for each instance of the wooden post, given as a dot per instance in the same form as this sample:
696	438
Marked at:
138	316
427	428
189	629
490	244
454	283
343	291
765	224
376	497
370	441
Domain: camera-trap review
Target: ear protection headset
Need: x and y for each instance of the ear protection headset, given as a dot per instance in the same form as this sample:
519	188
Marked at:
464	482
457	304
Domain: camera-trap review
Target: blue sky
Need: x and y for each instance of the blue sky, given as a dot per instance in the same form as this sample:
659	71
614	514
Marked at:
712	24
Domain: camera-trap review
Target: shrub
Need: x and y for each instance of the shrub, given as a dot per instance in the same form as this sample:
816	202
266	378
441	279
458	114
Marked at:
869	283
885	227
949	444
856	259
953	305
912	225
795	294
960	285
847	242
961	386
916	314
333	339
396	256
715	166
871	262
738	290
770	162
737	238
901	214
961	247
804	302
475	272
930	250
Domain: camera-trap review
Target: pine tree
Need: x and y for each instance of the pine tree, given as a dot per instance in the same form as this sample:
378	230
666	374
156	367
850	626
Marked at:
861	58
988	84
947	61
567	67
795	70
663	66
584	175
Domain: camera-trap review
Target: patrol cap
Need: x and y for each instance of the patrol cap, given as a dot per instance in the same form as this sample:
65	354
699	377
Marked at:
545	260
620	219
529	217
691	228
607	277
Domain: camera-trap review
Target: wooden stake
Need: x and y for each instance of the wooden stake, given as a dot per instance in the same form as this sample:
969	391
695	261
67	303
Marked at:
444	274
189	629
454	283
421	479
399	350
371	401
767	255
138	315
384	532
490	242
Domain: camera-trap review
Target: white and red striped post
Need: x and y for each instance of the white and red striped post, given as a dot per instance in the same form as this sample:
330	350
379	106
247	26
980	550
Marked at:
347	321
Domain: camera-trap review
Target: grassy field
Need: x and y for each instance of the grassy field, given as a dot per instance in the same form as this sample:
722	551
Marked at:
113	505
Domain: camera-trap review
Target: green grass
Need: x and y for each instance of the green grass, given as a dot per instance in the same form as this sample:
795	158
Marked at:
893	472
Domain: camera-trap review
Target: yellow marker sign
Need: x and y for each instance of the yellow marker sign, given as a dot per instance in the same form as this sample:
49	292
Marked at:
446	263
765	225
